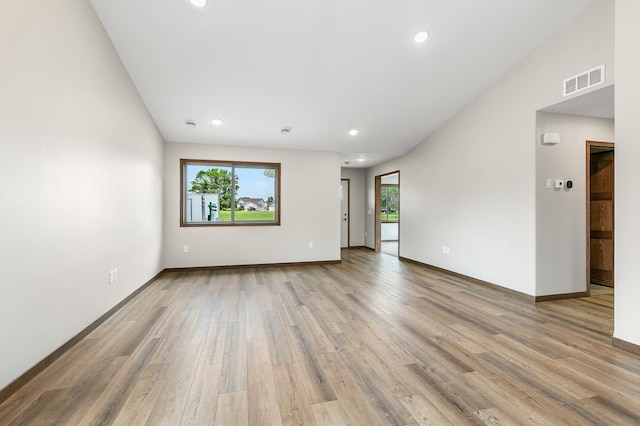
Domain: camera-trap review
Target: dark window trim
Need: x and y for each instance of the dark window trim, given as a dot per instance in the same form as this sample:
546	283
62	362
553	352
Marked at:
183	191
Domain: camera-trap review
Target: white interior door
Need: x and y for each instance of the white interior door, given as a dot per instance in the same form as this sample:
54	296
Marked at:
344	213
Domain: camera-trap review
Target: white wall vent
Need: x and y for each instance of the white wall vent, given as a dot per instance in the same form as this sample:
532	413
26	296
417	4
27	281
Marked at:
583	81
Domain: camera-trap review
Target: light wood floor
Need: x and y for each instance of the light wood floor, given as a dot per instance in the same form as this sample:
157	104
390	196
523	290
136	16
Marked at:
372	340
389	247
595	289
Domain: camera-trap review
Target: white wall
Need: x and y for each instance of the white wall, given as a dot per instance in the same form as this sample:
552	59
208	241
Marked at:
389	231
72	127
356	205
627	197
471	184
561	214
310	204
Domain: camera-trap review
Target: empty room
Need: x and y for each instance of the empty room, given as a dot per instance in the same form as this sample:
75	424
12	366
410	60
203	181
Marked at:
361	212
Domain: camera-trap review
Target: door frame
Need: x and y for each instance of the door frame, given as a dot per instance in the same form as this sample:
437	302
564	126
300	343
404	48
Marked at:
378	220
348	181
376	210
596	144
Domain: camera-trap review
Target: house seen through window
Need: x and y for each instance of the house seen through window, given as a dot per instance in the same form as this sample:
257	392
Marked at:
229	193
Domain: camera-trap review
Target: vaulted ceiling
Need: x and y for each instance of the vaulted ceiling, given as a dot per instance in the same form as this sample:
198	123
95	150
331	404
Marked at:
321	67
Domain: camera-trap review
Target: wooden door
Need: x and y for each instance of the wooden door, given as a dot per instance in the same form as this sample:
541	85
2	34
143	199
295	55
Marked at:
601	225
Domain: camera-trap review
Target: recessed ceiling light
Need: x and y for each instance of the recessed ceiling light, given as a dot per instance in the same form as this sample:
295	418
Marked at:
360	160
199	3
190	124
353	132
216	122
285	130
421	37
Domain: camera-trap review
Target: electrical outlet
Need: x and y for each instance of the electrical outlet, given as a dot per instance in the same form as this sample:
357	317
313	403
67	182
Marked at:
310	244
445	249
115	274
111	276
185	249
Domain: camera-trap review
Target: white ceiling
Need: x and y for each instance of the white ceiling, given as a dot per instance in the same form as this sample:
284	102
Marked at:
597	103
321	67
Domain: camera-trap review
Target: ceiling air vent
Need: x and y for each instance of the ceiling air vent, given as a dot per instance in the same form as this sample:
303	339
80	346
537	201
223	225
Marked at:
583	81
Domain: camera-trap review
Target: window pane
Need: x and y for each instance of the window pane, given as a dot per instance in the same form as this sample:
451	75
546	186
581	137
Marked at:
208	197
392	203
256	195
389	203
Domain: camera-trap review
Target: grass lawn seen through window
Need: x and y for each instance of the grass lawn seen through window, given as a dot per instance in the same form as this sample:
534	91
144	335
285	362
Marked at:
252	216
392	217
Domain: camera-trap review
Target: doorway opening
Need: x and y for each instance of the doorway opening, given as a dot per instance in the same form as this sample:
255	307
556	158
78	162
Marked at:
600	216
387	233
345	216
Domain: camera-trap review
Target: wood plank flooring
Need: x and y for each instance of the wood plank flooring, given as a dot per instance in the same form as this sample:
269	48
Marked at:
370	341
